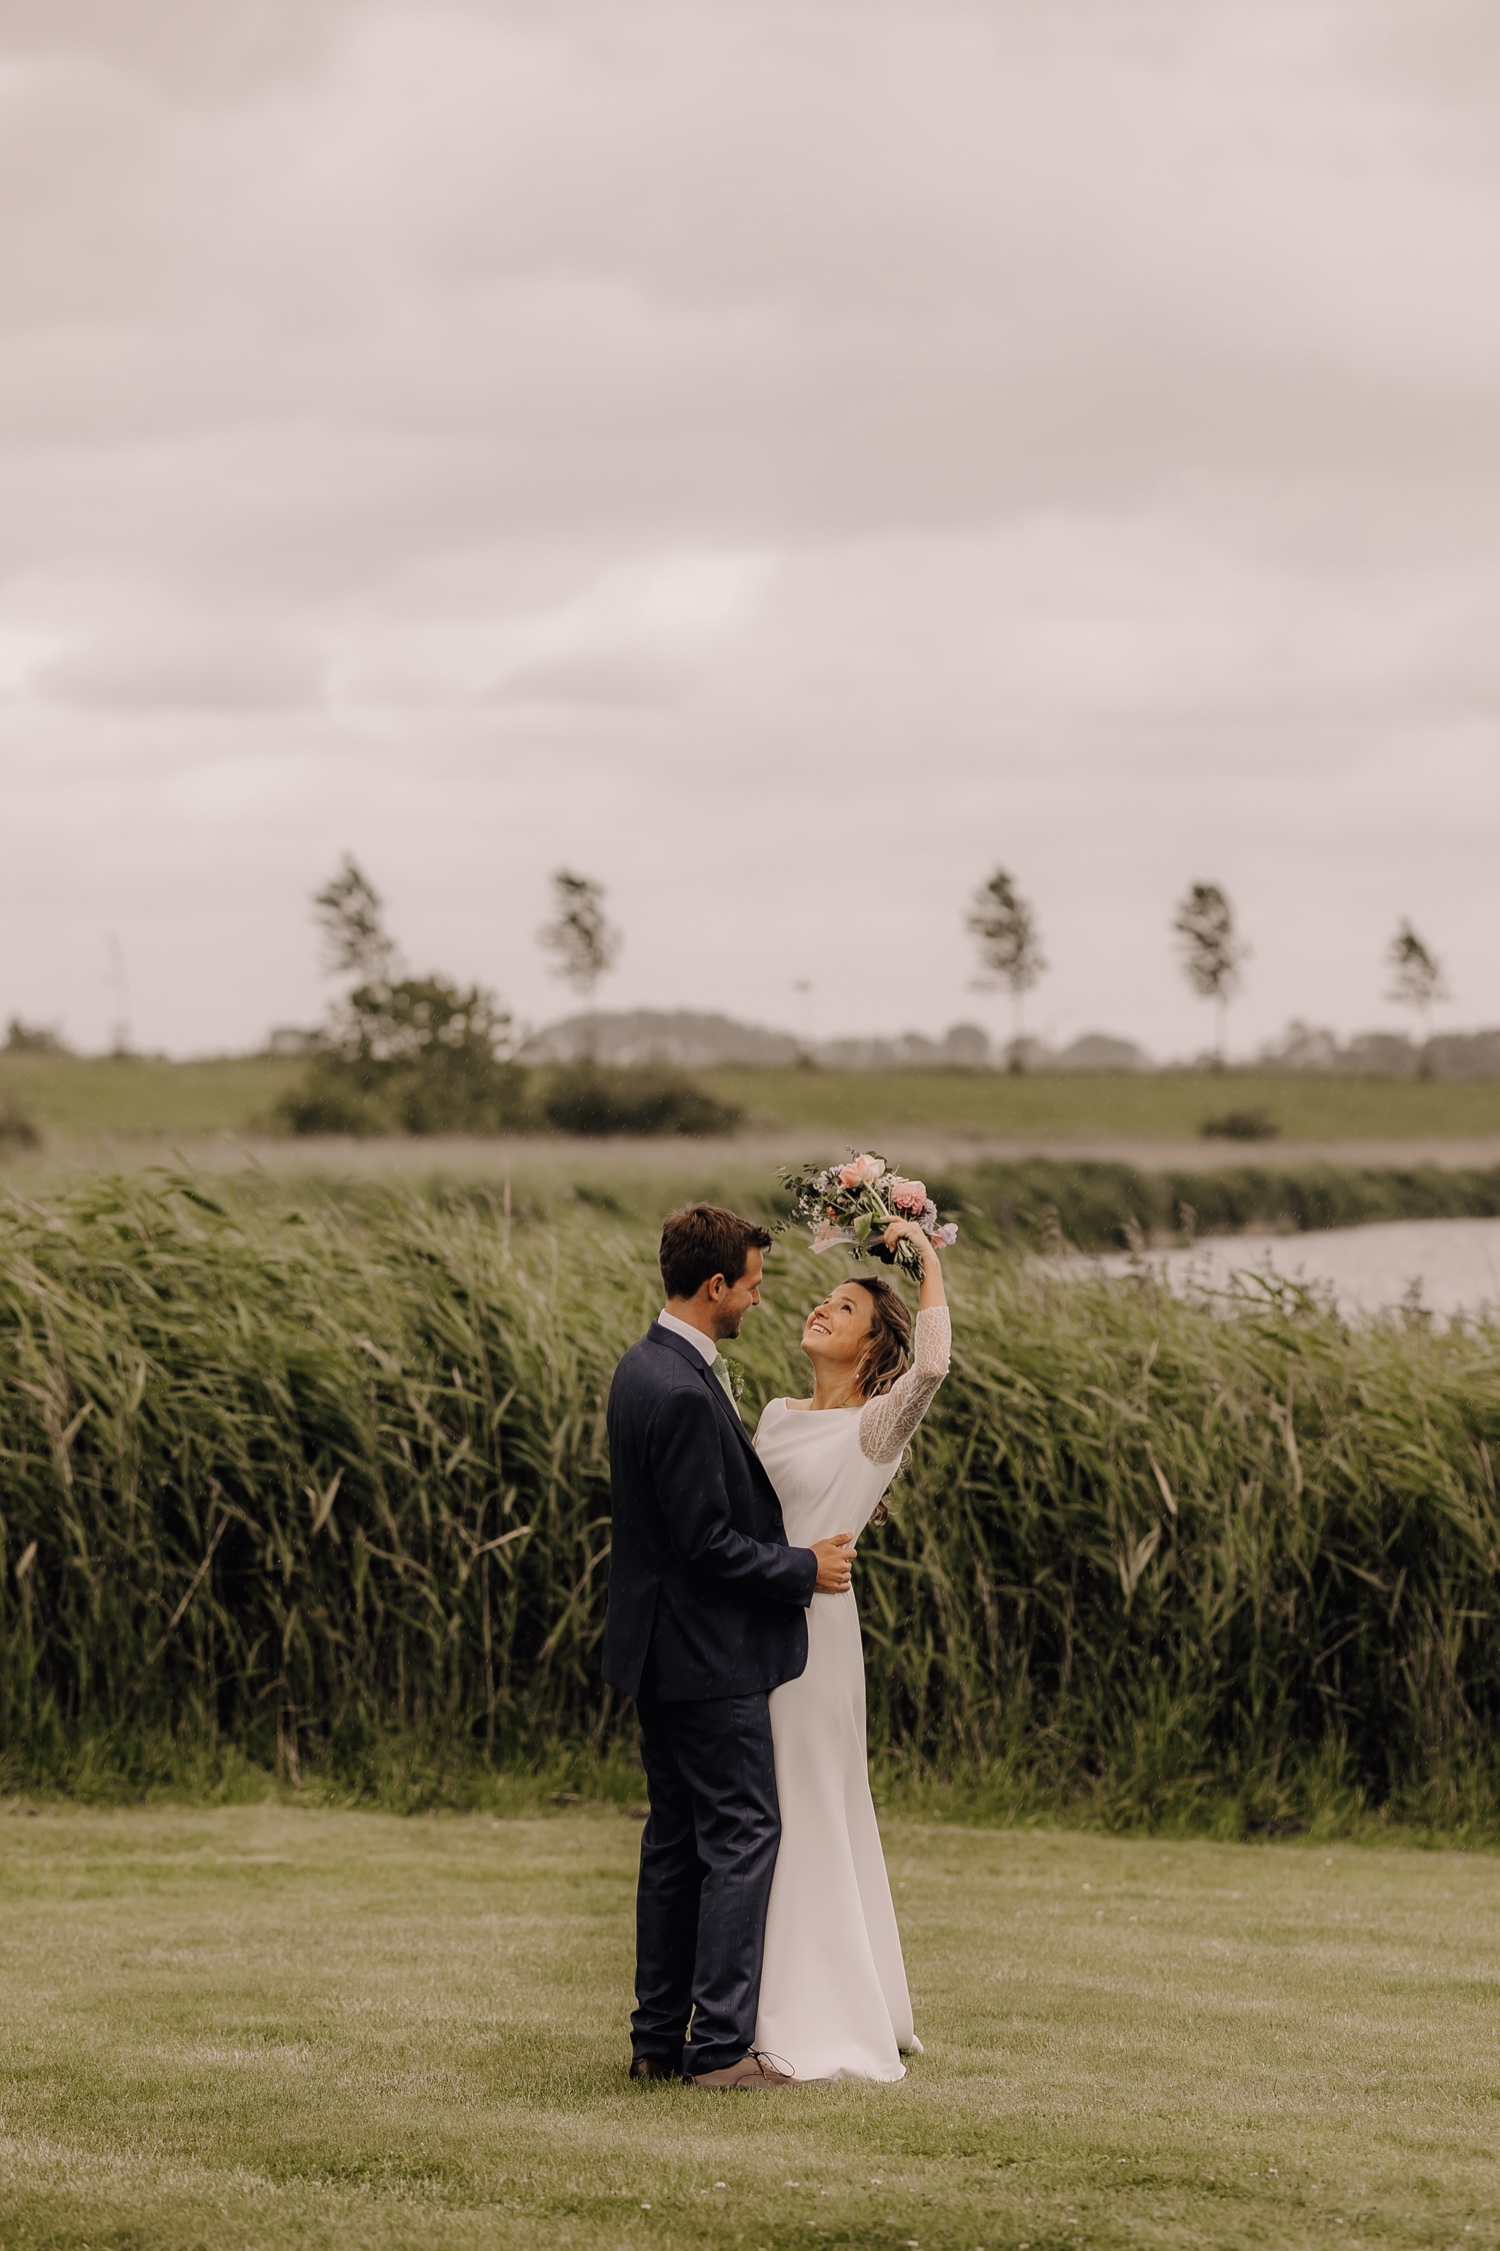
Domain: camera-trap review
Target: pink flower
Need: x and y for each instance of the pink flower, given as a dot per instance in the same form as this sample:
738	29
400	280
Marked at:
944	1237
860	1172
909	1196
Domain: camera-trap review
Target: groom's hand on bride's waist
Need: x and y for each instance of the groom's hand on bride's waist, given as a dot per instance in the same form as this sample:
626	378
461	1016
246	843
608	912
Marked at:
836	1561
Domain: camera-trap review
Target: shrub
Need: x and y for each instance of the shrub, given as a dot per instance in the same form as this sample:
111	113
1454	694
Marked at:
17	1130
1241	1125
649	1098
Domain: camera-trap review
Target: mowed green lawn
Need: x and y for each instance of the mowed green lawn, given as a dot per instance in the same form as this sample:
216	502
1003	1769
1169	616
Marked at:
78	1097
264	2026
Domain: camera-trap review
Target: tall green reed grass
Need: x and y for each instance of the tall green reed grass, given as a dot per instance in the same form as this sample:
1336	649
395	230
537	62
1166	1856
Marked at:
295	1485
1098	1205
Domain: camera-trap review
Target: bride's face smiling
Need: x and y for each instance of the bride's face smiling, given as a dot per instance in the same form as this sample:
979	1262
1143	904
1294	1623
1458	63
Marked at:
838	1330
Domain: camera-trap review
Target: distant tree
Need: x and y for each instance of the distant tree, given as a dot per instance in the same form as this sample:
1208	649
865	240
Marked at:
806	990
349	912
22	1038
583	942
1212	952
400	1054
1005	932
413	1055
1417	979
118	980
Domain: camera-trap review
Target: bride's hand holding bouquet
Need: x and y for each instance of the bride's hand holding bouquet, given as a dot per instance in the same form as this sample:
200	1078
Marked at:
907	1231
869	1205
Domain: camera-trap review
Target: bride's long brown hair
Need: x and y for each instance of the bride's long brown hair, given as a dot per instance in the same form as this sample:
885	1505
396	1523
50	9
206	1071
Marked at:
888	1347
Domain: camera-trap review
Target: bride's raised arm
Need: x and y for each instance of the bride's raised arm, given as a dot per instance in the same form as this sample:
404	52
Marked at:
888	1422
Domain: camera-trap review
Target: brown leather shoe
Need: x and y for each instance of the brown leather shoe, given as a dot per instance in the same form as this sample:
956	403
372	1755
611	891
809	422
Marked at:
653	2067
752	2072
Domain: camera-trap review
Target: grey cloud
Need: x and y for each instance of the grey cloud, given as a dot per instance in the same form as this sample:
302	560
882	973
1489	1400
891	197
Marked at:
186	670
602	682
1113	383
211	52
676	282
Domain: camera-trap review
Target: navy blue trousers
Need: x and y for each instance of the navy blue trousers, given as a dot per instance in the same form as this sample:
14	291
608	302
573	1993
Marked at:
707	1858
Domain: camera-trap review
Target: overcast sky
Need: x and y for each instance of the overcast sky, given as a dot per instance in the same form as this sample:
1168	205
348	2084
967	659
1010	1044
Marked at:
779	459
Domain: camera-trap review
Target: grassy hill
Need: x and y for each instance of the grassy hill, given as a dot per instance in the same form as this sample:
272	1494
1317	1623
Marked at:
130	1094
1128	1106
80	1097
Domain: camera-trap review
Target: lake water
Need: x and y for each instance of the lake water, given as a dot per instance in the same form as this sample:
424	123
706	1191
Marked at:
1454	1263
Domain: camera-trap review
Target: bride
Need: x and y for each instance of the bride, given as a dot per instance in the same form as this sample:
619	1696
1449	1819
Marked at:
833	1997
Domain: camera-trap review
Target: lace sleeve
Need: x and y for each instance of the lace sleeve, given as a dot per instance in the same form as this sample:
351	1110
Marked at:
888	1422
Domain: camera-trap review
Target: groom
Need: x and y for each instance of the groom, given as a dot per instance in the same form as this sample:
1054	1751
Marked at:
707	1614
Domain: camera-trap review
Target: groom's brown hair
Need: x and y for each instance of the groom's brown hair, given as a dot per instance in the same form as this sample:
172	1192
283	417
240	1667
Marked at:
703	1240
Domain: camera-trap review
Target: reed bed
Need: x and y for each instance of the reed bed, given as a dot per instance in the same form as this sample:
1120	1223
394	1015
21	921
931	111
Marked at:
1099	1206
297	1483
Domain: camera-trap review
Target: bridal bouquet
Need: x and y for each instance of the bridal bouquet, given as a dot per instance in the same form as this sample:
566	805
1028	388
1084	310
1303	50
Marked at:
855	1202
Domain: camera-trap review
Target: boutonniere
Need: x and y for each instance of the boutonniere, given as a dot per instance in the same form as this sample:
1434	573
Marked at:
736	1382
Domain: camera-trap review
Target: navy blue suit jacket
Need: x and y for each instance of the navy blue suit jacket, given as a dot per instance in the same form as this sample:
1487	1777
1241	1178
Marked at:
700	1574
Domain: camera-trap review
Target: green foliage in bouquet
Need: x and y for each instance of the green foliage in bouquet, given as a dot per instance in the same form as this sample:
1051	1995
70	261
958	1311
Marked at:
855	1202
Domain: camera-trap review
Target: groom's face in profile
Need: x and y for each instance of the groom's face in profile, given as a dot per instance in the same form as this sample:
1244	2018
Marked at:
731	1308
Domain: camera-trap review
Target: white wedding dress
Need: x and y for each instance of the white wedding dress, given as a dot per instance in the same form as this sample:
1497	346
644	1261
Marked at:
833	1997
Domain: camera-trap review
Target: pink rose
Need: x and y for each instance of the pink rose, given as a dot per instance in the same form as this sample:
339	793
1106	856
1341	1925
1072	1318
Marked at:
860	1172
909	1196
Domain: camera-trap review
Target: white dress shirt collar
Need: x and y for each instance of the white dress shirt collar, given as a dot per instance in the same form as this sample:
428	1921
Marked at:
705	1345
